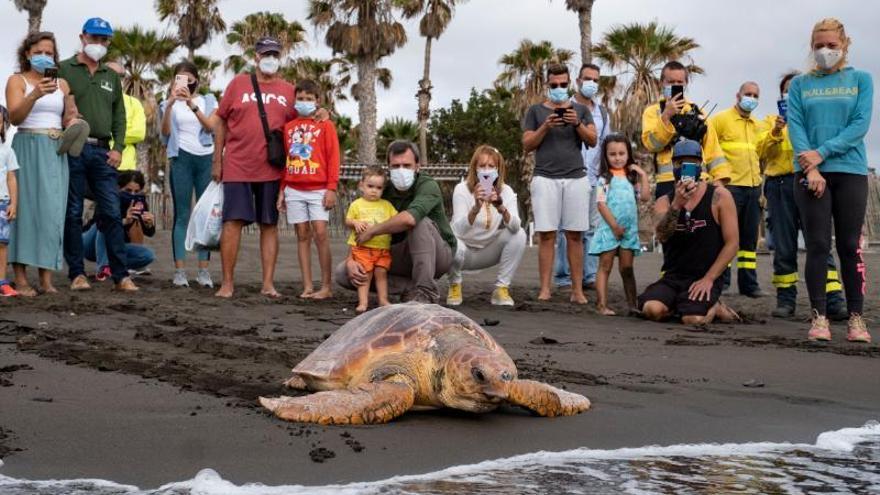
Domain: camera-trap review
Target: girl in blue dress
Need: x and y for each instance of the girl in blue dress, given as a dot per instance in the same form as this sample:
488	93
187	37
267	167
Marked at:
620	182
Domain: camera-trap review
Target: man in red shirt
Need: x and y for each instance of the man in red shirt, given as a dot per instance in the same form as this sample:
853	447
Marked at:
308	188
250	182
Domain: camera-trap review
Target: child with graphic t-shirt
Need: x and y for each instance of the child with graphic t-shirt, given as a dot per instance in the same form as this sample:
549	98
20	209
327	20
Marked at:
308	187
8	200
374	256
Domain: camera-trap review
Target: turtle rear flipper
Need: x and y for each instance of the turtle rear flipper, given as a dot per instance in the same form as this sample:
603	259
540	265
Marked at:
546	400
368	403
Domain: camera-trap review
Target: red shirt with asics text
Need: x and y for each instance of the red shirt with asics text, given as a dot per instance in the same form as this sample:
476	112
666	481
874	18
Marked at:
245	157
312	155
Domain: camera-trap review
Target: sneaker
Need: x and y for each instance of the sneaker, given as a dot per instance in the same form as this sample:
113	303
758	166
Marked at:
501	297
80	282
6	290
180	278
204	278
103	274
783	311
453	298
126	285
856	331
74	138
819	328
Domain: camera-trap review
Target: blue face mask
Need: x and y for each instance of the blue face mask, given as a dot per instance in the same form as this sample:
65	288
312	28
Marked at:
589	89
667	92
305	108
748	103
42	62
558	95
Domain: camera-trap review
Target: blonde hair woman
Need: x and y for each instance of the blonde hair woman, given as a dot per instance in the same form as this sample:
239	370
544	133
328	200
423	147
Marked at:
485	220
829	113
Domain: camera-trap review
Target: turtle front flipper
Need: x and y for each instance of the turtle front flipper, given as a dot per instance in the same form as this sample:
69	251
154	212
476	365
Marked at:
368	403
546	400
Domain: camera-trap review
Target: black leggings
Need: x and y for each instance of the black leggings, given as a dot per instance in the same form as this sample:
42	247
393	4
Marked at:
845	200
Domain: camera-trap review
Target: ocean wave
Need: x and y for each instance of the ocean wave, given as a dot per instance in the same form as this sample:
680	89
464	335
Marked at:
845	460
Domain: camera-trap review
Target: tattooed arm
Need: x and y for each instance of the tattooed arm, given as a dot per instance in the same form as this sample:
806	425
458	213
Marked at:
665	219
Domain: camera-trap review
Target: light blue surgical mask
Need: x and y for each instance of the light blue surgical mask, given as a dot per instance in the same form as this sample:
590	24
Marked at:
748	103
41	62
667	91
305	108
589	89
558	95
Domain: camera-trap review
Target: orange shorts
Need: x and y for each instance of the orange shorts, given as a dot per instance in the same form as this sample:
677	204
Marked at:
369	258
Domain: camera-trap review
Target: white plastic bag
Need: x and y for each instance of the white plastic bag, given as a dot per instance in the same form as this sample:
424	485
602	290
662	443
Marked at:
206	221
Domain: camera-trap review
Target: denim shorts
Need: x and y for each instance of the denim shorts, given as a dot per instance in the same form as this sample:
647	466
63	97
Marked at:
4	223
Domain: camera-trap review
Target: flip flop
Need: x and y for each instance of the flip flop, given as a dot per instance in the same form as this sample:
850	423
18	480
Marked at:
74	138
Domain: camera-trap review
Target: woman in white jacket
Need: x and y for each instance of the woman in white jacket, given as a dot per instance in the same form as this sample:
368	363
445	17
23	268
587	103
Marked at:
485	220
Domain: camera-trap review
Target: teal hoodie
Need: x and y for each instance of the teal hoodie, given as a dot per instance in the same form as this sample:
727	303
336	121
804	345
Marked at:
831	113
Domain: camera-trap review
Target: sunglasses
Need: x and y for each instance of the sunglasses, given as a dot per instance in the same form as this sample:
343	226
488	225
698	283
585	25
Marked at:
558	85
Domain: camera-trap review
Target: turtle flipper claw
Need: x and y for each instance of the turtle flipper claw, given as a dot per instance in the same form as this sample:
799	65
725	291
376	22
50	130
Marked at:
546	400
368	403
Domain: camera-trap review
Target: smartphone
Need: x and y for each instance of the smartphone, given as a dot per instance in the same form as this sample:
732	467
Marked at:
486	183
181	81
690	172
51	73
677	89
782	106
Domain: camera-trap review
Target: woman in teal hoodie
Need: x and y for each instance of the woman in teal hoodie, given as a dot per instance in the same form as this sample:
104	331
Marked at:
829	114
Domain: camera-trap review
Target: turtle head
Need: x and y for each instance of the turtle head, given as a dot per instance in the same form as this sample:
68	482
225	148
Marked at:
476	379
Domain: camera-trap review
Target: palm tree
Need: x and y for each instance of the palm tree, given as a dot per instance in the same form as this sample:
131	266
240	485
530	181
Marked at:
637	52
394	129
197	21
245	33
436	17
346	68
584	10
524	71
366	30
34	8
142	52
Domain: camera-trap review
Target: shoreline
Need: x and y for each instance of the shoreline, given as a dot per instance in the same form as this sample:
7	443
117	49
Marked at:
151	389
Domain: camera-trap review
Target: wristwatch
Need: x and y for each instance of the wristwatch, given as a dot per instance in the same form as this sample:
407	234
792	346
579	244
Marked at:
194	108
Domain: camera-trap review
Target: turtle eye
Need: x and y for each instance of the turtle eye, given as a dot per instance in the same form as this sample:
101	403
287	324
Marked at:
506	376
478	375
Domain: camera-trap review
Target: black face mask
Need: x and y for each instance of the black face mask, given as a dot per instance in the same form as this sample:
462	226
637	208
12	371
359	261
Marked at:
192	87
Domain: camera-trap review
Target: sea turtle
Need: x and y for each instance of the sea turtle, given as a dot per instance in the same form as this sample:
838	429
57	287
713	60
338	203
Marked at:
411	356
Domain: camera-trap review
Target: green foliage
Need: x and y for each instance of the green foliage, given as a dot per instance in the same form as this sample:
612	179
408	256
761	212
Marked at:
455	132
395	129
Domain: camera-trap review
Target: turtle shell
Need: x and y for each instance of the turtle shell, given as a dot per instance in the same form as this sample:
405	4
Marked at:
380	336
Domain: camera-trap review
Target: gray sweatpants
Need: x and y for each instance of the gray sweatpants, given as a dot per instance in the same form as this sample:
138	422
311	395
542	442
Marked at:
416	263
506	251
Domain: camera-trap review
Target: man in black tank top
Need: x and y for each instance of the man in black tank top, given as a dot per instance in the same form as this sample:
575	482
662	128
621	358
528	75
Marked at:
697	225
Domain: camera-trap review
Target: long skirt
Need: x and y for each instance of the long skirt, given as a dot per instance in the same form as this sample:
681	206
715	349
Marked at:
38	230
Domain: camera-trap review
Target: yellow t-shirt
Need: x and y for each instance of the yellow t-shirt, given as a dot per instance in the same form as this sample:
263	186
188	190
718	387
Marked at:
372	212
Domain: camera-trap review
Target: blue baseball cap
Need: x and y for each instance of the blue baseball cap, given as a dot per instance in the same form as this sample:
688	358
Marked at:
687	148
98	27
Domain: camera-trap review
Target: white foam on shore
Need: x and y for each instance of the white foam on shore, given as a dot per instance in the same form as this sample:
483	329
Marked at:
209	482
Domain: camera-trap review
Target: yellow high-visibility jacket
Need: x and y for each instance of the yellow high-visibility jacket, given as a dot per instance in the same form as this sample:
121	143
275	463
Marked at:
775	152
738	137
657	135
135	131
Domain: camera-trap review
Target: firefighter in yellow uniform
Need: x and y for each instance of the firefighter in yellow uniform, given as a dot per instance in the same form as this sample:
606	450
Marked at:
135	124
738	132
659	134
777	156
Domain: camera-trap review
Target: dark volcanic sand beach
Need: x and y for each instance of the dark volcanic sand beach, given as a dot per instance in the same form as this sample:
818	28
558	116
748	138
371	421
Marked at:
152	388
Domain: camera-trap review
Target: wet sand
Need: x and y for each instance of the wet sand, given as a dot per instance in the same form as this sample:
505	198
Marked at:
152	388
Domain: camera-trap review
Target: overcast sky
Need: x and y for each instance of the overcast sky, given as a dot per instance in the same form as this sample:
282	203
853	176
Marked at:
742	40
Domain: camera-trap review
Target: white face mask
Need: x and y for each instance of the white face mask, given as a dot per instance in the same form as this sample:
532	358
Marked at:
95	51
826	58
402	178
269	65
